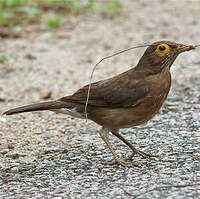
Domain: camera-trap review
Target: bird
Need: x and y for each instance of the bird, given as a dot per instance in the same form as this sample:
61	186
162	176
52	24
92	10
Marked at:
126	100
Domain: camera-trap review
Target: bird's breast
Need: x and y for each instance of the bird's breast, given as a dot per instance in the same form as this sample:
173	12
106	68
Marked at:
159	86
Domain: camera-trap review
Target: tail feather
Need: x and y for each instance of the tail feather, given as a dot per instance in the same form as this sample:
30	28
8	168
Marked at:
38	107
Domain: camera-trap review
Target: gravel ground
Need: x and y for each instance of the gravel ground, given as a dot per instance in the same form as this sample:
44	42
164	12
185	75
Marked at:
44	155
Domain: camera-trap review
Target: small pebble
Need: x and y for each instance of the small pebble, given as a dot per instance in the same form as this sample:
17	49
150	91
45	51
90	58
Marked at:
15	156
11	146
2	119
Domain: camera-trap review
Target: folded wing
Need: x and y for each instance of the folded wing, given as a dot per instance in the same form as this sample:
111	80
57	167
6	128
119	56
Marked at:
120	91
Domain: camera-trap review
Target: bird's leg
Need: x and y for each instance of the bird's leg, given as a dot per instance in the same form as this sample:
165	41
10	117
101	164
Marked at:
135	150
104	132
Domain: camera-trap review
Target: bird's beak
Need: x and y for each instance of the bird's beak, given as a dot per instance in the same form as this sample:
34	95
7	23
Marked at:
183	48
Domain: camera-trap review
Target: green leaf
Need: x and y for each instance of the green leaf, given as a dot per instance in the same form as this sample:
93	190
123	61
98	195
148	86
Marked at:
4	58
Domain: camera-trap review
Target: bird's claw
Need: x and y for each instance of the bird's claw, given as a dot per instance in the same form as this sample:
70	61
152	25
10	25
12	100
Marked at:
121	162
143	154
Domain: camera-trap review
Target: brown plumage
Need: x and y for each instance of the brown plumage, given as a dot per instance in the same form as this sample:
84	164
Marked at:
126	100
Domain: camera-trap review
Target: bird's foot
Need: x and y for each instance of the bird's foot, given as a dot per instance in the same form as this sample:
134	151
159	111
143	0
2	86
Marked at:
143	154
121	162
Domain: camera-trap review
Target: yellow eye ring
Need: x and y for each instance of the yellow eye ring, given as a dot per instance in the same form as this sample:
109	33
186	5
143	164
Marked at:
162	49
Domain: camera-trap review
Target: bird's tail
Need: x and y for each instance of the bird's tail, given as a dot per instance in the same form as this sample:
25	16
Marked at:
52	105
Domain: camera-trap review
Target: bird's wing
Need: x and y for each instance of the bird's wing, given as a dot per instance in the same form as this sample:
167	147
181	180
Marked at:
120	91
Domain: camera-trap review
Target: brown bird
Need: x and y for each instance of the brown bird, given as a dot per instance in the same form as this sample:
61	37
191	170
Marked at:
126	100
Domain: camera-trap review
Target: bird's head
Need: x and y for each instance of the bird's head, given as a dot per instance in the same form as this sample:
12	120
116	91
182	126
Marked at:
161	55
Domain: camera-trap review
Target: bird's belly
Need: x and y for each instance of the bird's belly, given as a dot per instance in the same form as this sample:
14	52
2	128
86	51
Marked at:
131	116
147	110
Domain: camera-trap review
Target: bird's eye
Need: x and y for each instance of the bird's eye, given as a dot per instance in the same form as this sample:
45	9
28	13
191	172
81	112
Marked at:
162	49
